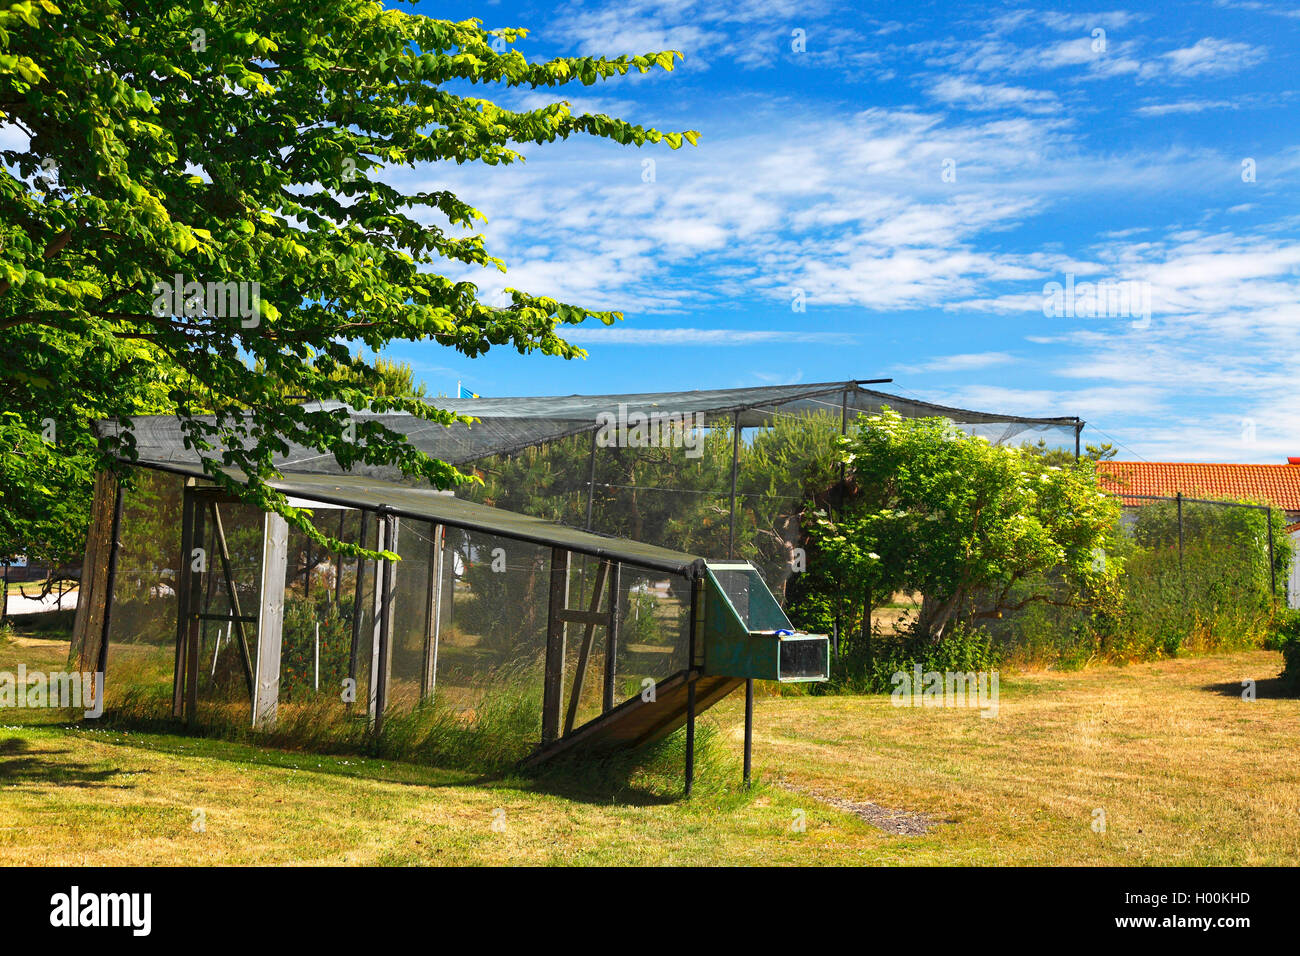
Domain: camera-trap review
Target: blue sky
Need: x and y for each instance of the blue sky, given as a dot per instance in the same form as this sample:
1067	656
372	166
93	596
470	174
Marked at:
919	173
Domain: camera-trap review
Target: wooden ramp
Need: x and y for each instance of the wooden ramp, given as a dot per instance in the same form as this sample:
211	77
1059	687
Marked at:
637	722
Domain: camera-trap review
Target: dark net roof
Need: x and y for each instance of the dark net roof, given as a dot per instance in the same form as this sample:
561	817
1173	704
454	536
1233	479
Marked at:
423	504
508	425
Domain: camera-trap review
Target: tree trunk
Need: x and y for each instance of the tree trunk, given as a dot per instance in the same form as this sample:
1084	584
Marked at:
936	615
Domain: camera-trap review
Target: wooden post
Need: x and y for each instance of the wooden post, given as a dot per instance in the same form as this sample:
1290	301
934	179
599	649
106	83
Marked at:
183	608
357	611
194	626
383	657
92	593
270	620
434	617
553	687
376	619
584	652
110	582
611	636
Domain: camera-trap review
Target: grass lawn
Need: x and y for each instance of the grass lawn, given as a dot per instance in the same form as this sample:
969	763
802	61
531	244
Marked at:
1185	770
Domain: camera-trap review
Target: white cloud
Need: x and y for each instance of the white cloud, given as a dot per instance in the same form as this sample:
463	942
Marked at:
1184	106
965	93
1207	57
970	361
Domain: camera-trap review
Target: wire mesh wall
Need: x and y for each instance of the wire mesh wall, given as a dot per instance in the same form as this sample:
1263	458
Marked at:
669	482
1193	575
142	632
468	617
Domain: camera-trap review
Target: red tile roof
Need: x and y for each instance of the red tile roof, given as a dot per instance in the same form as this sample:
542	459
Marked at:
1278	485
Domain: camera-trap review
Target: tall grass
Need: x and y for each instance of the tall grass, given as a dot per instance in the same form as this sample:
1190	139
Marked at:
500	730
492	737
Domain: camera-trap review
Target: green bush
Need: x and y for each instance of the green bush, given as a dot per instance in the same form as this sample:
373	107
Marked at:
298	647
869	668
1287	639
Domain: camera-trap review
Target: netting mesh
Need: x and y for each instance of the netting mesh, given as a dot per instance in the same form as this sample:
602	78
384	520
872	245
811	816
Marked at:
491	638
1208	588
142	633
224	646
320	598
508	425
672	485
722	474
483	655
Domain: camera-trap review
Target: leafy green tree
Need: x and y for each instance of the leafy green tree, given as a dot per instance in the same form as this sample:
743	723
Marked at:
966	523
1063	456
200	222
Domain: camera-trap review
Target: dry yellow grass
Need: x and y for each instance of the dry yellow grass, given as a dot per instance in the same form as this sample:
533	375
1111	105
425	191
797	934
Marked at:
1185	770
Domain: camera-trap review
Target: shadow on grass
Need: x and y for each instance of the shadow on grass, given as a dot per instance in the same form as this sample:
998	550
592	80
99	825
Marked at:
21	767
413	752
1270	688
653	775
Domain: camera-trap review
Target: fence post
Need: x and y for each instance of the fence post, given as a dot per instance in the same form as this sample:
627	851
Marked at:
1180	532
1272	568
735	459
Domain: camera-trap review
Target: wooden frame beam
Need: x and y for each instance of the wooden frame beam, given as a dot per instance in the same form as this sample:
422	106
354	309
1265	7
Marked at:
270	620
594	620
237	614
553	681
358	611
193	625
433	620
382	656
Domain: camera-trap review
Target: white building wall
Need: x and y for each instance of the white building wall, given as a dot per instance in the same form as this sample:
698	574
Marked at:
1293	579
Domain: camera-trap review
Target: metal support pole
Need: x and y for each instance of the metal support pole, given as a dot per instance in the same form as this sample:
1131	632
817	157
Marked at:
749	727
844	430
591	478
611	637
735	459
839	591
1078	430
338	561
1272	568
1180	531
690	735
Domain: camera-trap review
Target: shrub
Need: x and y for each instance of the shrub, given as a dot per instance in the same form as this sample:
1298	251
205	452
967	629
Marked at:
299	644
1288	642
868	669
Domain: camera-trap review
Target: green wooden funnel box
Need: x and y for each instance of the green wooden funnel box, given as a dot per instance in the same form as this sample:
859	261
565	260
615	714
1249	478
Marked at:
746	634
